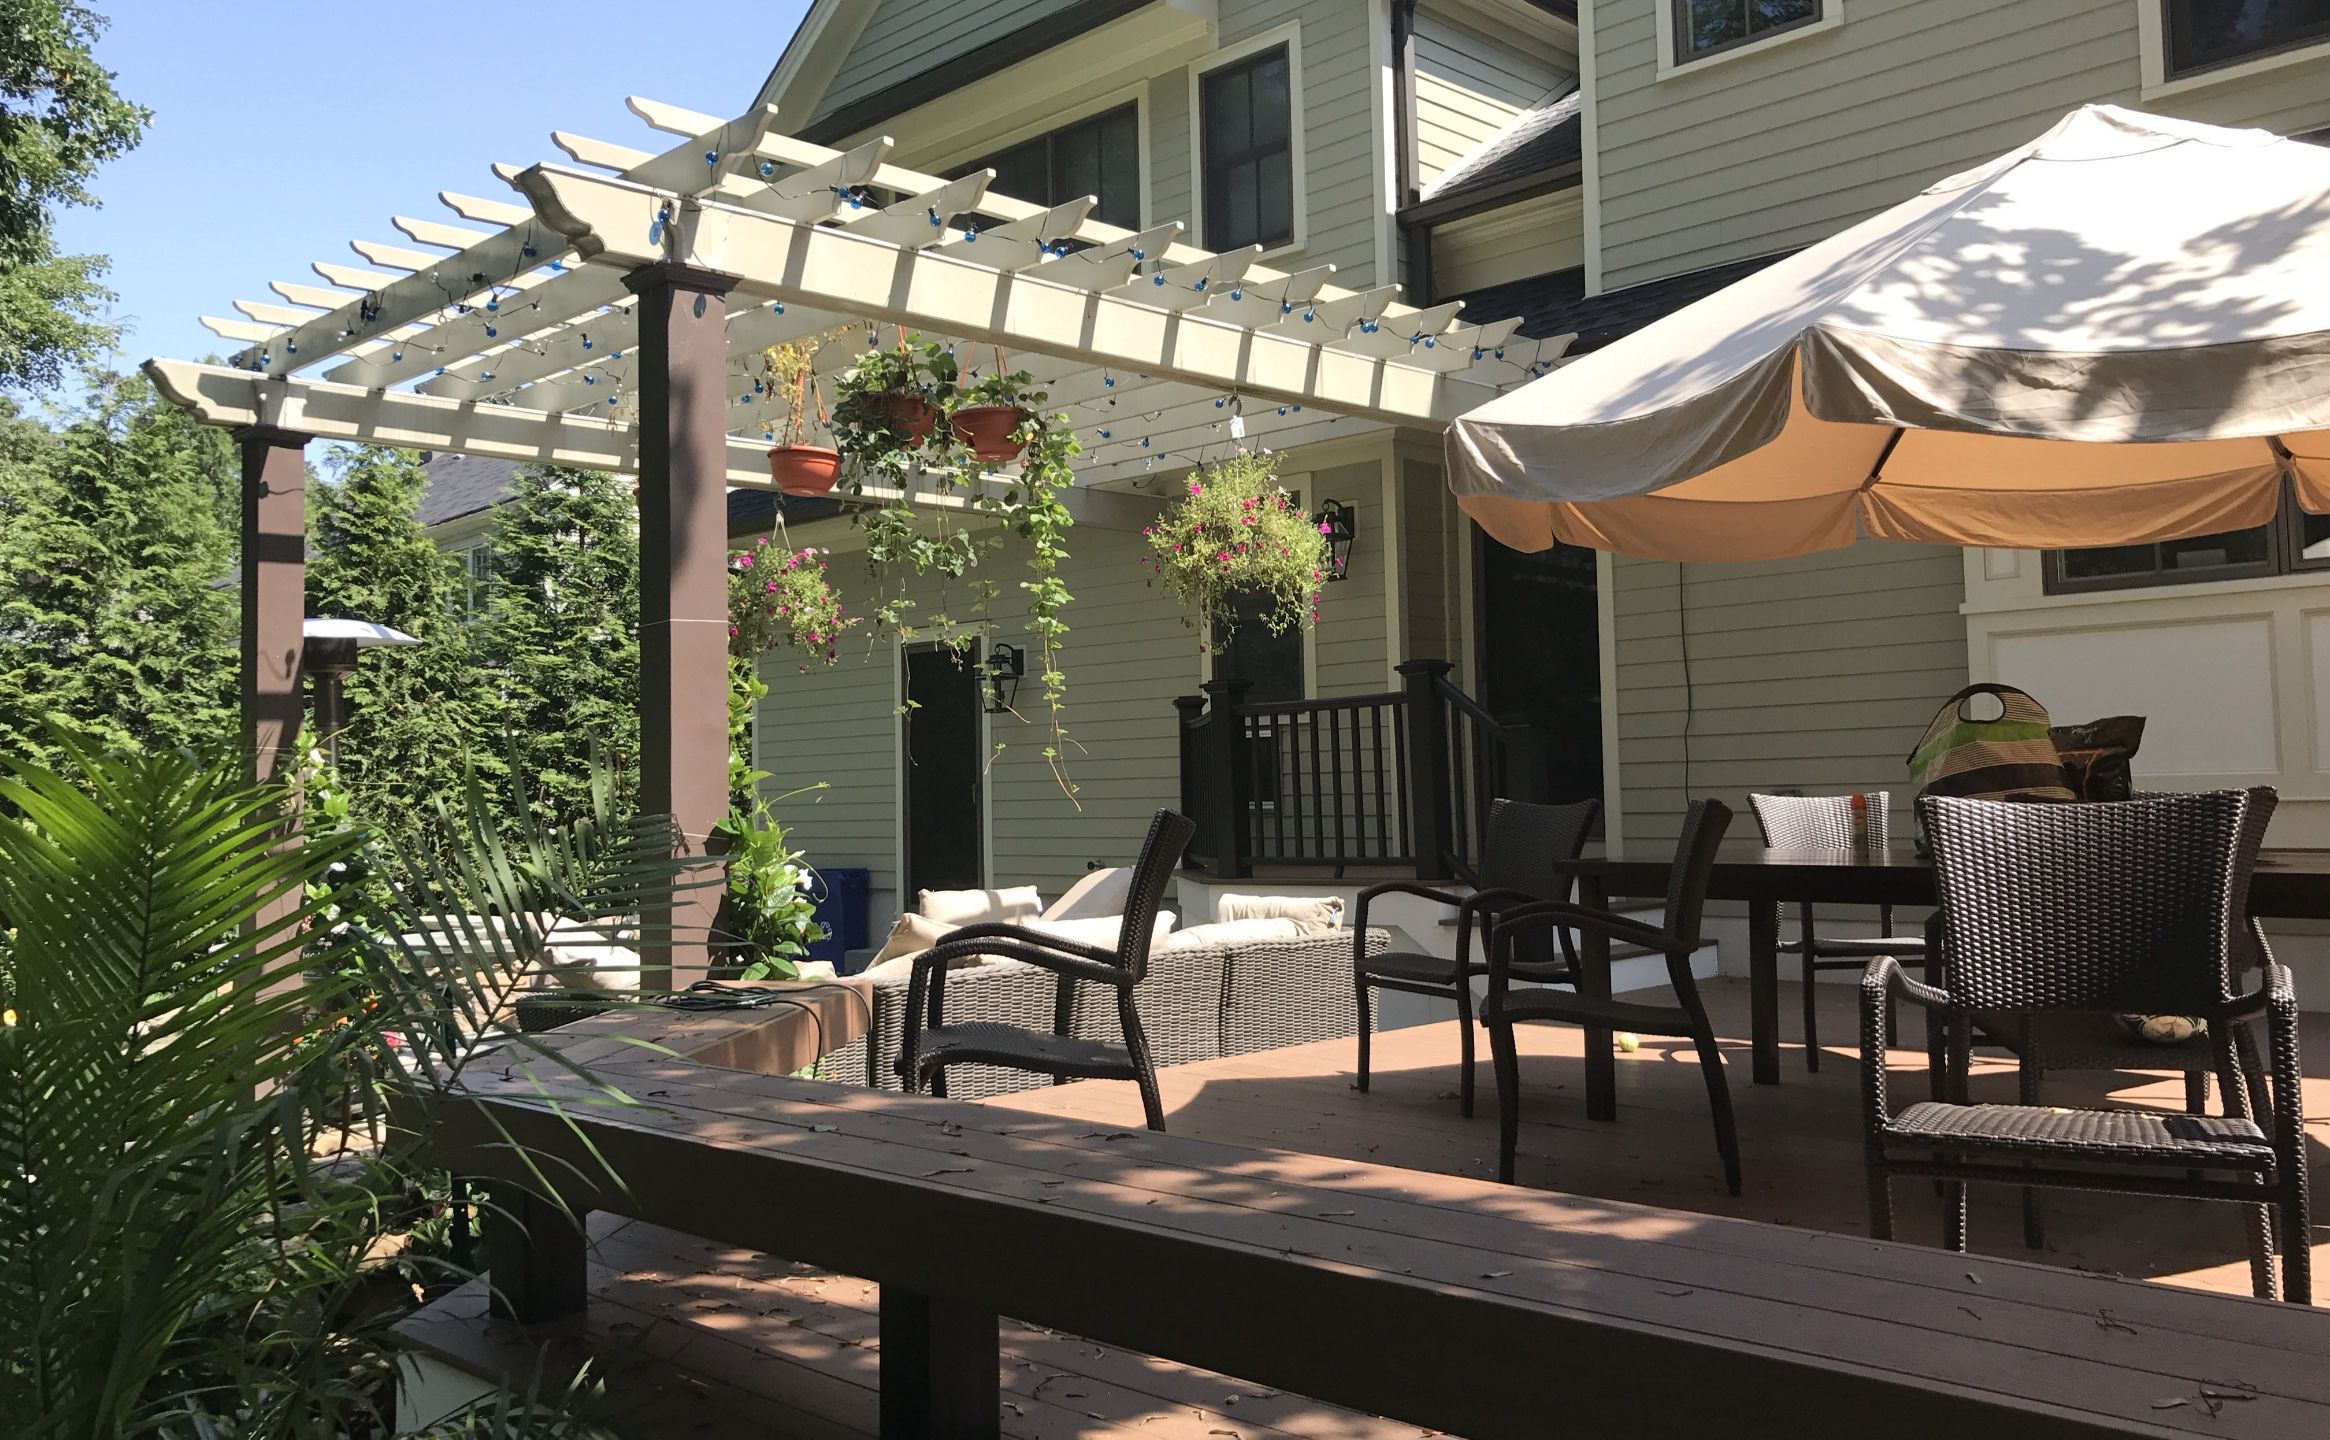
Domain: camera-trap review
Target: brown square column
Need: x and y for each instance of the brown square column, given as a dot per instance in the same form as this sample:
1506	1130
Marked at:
274	577
683	588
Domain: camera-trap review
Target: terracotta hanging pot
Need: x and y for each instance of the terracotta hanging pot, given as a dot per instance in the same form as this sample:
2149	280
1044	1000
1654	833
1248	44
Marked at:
804	469
986	430
911	412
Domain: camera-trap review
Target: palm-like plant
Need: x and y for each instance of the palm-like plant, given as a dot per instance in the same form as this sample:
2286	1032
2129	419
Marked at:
196	1135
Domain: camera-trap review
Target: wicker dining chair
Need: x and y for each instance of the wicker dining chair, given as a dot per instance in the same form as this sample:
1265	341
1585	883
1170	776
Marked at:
1521	853
1676	939
1825	822
925	1053
2117	907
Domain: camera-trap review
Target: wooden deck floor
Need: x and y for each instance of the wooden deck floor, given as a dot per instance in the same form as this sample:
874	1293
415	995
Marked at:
1799	1140
693	1338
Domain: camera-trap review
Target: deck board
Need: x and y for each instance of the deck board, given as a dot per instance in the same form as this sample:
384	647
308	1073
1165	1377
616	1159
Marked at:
706	1338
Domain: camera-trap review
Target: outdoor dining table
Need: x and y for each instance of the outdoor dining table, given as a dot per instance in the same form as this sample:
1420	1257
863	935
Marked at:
2289	884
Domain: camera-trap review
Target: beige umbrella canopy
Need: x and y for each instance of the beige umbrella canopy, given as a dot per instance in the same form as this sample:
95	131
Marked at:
2119	333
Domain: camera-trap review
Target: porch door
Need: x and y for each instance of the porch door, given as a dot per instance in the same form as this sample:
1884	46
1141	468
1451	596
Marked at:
1540	655
942	793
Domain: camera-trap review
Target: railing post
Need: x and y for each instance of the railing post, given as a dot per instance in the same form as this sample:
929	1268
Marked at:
1189	716
1428	777
1225	778
940	1364
536	1258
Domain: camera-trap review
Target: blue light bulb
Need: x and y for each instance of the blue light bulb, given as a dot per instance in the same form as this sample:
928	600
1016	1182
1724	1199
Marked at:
1237	292
396	355
1157	279
494	303
490	332
1104	434
767	168
711	157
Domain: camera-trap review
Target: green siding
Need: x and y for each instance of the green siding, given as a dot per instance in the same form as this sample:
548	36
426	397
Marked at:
906	38
1819	672
1470	85
1770	151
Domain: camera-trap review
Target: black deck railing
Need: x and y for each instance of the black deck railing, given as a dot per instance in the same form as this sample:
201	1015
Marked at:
1399	781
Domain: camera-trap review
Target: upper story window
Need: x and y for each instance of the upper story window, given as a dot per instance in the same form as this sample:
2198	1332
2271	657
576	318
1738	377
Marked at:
1247	130
1099	156
2204	34
1709	27
2291	542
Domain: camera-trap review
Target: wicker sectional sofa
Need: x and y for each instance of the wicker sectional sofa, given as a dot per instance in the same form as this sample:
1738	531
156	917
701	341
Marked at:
1198	1002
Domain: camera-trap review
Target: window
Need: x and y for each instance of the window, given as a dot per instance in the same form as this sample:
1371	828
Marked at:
1247	131
2292	541
1100	156
2204	34
1708	27
472	565
1272	665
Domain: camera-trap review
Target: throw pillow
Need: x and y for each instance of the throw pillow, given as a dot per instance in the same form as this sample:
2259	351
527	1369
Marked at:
977	907
1100	892
912	935
1236	932
1312	912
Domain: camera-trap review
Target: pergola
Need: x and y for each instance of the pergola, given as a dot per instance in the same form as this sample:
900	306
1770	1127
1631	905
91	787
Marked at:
616	321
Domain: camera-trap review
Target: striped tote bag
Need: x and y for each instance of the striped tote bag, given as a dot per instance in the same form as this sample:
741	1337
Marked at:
2010	756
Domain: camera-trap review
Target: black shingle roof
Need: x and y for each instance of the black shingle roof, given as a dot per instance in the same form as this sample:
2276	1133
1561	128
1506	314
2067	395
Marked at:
1542	139
1557	303
465	484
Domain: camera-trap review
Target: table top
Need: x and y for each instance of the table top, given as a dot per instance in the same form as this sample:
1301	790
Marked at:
2289	883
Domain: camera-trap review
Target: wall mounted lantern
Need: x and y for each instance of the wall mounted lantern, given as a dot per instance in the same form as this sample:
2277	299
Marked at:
1006	667
1339	522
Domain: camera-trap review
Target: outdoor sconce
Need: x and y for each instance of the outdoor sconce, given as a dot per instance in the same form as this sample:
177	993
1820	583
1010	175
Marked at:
1340	524
1006	667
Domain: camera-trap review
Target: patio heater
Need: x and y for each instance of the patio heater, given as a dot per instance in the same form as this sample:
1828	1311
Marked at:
329	648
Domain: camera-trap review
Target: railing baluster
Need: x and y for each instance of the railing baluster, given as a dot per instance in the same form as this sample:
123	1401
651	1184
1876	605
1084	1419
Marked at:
1405	828
1383	818
1319	811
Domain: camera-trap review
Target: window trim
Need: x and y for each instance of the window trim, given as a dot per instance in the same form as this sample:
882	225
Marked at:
1290	36
1672	63
2285	538
2152	48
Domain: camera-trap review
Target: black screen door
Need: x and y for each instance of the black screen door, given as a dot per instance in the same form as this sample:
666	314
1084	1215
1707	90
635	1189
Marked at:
941	740
1541	656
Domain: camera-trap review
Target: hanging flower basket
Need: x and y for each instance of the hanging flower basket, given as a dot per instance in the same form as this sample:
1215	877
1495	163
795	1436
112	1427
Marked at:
987	431
804	469
783	597
1237	533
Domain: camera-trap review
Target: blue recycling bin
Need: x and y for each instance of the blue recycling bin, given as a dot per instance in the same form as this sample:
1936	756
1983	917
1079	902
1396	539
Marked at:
842	912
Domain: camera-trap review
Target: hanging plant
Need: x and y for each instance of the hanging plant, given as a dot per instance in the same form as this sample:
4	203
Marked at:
887	406
798	468
990	415
778	597
1238	532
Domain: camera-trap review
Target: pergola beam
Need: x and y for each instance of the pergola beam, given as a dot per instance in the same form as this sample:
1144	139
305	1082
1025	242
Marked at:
627	225
238	399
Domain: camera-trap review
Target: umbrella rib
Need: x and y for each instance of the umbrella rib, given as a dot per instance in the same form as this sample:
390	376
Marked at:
1877	468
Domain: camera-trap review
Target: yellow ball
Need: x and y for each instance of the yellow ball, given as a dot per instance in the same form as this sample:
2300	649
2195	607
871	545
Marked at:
1629	1041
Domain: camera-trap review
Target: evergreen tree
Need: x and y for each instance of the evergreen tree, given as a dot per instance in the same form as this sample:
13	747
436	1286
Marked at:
416	715
115	558
561	631
59	120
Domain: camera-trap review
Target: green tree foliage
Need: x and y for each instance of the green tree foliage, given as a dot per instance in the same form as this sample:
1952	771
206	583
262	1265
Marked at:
416	715
59	120
561	630
116	538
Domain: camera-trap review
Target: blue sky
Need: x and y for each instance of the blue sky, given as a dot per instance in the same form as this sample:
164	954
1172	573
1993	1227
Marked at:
283	129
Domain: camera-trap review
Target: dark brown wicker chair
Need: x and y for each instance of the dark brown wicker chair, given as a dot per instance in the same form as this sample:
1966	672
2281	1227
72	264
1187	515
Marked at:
1825	822
2132	906
1676	939
1521	855
926	1053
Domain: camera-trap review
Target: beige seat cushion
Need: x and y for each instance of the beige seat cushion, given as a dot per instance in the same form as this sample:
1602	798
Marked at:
1313	912
1100	892
977	907
1235	932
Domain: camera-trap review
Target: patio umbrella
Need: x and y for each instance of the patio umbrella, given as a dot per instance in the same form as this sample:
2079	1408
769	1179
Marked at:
2118	333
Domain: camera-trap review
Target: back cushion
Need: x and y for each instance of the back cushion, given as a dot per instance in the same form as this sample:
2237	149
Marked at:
977	907
1100	892
1312	912
1235	932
